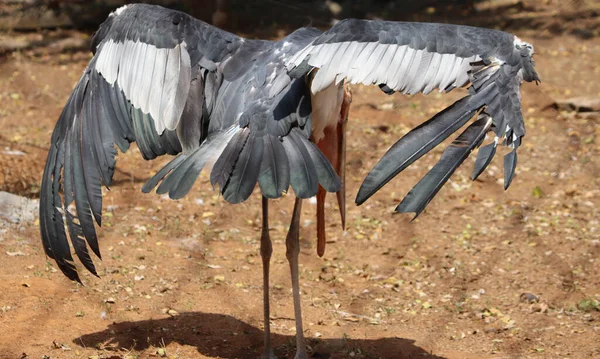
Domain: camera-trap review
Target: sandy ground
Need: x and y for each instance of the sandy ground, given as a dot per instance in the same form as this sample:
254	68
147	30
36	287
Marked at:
182	279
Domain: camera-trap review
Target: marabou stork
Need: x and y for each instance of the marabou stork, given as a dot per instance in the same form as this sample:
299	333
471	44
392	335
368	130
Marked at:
271	112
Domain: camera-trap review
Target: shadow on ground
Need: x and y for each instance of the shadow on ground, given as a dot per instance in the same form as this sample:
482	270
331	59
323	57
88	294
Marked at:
223	336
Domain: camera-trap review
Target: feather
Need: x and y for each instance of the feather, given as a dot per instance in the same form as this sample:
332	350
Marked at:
412	72
415	144
334	65
370	63
394	76
120	127
358	63
177	85
156	92
80	192
274	178
74	189
245	171
348	58
510	163
419	73
224	165
172	180
54	238
381	70
184	173
137	118
402	73
325	173
152	182
105	150
189	171
417	199
91	148
484	157
147	78
303	174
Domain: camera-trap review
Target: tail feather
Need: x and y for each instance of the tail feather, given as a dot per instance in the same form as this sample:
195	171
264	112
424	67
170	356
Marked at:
224	166
326	175
303	174
274	178
245	172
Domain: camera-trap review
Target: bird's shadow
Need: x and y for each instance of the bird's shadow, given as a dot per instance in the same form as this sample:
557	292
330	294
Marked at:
223	336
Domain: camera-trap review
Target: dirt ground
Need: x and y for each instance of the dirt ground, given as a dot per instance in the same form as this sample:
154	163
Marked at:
182	279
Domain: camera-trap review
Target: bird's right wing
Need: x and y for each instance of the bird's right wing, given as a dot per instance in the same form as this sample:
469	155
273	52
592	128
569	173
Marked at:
150	80
420	57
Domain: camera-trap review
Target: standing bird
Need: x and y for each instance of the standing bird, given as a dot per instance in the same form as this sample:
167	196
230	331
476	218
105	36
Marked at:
271	112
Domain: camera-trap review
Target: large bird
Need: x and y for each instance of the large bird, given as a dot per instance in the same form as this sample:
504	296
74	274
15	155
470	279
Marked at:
271	112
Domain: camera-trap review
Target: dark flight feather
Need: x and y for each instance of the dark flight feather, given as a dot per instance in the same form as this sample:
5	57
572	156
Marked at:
172	180
417	199
415	144
91	139
152	182
510	164
75	191
484	157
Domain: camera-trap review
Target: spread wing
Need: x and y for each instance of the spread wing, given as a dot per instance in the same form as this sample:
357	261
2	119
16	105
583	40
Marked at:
150	80
269	115
420	57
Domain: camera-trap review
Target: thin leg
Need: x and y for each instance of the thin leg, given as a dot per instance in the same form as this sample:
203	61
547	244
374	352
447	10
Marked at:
292	243
266	249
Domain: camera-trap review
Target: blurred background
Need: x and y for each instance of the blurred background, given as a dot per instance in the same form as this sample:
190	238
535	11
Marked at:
256	16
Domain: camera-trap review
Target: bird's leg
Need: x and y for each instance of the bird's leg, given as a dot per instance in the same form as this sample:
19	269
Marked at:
292	243
333	146
266	249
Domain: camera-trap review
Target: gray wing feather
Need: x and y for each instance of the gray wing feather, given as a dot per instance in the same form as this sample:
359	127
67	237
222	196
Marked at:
135	88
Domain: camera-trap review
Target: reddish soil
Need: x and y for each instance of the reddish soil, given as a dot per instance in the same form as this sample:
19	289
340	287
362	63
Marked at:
183	278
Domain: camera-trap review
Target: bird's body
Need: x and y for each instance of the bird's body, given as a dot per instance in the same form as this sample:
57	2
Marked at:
266	112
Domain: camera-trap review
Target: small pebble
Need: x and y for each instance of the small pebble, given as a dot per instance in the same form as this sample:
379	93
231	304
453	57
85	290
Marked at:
529	298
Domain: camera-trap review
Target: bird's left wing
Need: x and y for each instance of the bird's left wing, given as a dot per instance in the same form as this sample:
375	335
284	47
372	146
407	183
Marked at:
149	81
420	57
